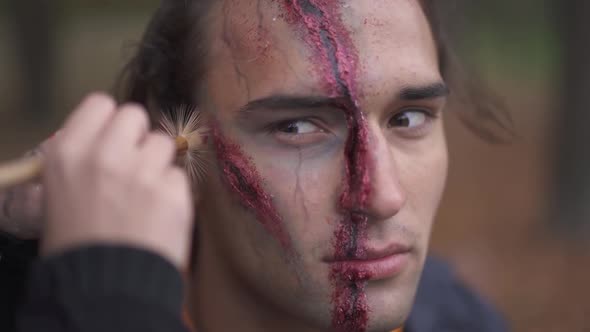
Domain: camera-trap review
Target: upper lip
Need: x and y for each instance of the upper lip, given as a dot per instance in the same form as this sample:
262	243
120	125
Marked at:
373	254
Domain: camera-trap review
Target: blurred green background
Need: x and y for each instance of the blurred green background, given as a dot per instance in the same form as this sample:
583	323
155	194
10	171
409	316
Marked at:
500	222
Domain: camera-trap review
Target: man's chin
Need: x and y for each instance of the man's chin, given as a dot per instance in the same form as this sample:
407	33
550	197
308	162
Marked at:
390	303
388	320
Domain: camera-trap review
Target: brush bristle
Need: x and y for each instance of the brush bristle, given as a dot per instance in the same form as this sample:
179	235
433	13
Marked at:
187	121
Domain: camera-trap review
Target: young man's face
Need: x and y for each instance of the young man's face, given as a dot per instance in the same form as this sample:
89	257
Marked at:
331	158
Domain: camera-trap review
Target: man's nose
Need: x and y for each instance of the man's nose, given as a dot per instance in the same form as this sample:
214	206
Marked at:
387	196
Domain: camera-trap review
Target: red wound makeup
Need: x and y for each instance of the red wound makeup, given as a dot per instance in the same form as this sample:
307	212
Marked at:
241	177
336	61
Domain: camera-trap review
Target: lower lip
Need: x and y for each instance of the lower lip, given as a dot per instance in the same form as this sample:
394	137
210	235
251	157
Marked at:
375	269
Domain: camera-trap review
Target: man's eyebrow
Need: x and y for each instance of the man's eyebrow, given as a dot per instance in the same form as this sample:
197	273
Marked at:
432	91
284	102
292	102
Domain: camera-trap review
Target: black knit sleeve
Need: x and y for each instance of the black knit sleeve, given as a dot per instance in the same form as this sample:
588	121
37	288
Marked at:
102	288
16	256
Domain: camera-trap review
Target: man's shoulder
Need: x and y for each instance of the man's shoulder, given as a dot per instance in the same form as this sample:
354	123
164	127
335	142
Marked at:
444	304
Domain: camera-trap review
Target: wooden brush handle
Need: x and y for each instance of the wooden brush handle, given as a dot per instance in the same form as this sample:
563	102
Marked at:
20	171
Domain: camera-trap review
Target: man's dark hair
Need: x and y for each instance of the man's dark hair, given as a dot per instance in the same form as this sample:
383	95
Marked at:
171	59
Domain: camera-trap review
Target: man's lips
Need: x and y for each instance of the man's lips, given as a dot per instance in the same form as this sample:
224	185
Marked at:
373	264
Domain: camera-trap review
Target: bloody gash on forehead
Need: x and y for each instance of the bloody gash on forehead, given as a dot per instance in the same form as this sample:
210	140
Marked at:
337	62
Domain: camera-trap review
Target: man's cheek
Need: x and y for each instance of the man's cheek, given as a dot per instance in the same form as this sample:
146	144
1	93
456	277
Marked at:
303	192
425	183
241	178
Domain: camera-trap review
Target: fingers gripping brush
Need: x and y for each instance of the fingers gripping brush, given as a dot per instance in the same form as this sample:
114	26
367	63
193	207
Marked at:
185	124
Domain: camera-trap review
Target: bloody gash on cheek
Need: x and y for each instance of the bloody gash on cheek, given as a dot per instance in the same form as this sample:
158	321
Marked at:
240	175
336	60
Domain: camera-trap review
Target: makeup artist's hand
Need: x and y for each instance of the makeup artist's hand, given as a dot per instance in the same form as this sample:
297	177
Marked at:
21	213
109	180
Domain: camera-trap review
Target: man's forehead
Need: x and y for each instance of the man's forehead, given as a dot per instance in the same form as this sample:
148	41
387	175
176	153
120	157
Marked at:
253	30
262	41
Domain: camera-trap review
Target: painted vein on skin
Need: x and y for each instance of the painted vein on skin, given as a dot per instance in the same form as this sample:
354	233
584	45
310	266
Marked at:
243	180
299	196
227	39
255	35
338	66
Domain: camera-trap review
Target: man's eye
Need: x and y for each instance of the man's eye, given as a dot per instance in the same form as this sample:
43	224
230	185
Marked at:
409	119
299	127
299	133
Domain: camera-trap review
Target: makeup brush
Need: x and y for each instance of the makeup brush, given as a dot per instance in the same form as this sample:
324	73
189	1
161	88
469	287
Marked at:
185	124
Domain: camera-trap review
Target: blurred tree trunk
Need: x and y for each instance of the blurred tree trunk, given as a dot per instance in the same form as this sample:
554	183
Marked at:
571	200
34	26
